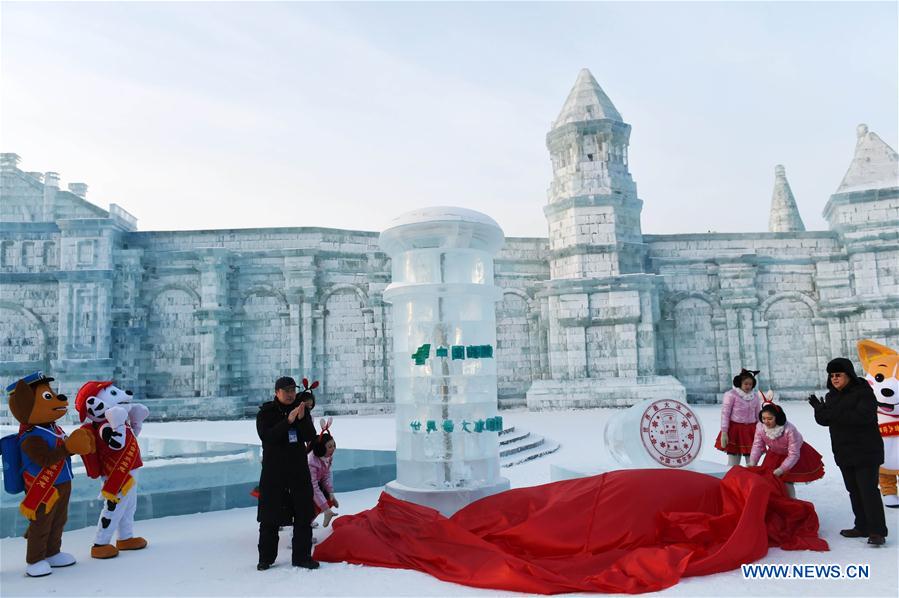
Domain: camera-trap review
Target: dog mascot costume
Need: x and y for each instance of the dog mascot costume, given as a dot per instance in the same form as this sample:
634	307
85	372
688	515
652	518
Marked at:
881	366
44	467
114	422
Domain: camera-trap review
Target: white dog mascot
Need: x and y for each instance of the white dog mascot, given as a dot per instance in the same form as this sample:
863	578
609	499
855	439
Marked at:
115	423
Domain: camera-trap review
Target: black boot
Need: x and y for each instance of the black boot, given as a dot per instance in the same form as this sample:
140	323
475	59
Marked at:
309	563
852	533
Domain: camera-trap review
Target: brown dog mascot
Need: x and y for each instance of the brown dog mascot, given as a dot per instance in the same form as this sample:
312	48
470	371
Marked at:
47	469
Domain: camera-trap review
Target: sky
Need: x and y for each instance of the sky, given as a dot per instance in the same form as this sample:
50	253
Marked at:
344	115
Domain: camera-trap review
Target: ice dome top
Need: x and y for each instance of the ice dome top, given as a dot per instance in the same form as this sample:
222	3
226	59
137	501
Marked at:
442	227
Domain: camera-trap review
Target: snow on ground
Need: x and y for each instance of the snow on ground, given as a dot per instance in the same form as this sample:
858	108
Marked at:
214	554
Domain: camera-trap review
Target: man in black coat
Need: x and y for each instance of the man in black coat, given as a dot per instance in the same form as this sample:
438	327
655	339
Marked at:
285	488
850	411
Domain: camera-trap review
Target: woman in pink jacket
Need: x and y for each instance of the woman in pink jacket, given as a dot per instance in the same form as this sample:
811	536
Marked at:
320	459
787	456
739	415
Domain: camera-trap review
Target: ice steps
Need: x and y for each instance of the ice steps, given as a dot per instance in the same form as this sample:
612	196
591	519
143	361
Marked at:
512	403
519	446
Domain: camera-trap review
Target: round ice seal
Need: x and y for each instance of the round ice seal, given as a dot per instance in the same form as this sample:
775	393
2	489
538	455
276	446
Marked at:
671	433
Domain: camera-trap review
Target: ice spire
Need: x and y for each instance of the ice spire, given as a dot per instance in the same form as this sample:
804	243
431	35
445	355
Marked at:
874	166
586	101
785	216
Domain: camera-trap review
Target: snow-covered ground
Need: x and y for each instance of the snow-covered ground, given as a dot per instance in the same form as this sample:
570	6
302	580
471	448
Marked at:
214	554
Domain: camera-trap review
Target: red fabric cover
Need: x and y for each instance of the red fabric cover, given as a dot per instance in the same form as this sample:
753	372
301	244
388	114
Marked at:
739	439
625	531
808	468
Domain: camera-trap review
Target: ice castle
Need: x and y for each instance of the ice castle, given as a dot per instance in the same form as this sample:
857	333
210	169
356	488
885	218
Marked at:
200	323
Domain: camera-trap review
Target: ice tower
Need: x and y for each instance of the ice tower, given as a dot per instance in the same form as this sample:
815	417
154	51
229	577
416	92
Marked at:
602	304
444	338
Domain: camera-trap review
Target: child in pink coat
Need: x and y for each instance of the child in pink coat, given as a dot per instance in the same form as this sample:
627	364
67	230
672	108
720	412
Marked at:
787	456
739	414
320	459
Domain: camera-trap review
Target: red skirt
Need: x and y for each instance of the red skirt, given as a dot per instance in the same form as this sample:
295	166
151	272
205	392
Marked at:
808	468
739	439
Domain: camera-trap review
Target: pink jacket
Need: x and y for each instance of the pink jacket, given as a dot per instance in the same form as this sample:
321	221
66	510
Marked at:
788	443
320	472
737	406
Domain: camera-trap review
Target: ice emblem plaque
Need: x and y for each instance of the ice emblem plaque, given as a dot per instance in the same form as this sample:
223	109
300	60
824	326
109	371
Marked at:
671	433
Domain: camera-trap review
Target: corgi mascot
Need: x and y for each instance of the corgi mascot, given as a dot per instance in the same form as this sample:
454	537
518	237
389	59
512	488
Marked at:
43	469
881	365
114	422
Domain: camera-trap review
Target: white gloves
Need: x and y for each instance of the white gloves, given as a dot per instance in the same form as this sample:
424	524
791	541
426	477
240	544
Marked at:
136	416
116	416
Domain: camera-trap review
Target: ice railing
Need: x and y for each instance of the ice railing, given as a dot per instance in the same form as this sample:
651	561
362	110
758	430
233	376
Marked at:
181	477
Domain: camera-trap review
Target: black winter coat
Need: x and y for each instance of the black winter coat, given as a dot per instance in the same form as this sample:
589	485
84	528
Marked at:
851	415
285	487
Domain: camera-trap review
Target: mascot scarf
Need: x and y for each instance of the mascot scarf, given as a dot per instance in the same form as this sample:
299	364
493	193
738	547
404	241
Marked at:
40	489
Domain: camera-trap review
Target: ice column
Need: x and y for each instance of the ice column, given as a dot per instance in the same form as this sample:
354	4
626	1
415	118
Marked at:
444	343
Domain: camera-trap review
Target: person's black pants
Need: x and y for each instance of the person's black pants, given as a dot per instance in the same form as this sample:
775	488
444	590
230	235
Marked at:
268	542
861	482
299	509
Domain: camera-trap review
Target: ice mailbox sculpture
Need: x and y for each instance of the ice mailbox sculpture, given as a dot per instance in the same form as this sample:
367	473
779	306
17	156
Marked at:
444	338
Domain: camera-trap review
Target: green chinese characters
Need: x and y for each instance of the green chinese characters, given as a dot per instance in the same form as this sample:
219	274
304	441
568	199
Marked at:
448	426
454	352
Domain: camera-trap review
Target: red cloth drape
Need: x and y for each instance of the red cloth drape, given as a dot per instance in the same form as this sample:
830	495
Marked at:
625	532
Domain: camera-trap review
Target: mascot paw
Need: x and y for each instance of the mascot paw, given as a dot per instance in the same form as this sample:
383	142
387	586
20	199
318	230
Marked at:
116	416
112	437
104	551
137	414
135	543
81	442
61	559
891	501
38	569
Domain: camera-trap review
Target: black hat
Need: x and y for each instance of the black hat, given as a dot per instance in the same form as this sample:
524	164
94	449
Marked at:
841	365
285	382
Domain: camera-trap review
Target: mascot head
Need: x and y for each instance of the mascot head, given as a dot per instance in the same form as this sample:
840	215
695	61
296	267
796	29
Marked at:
881	366
95	397
32	401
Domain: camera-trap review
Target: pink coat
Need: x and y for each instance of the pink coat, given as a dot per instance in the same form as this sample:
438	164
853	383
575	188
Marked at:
787	444
736	406
320	472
